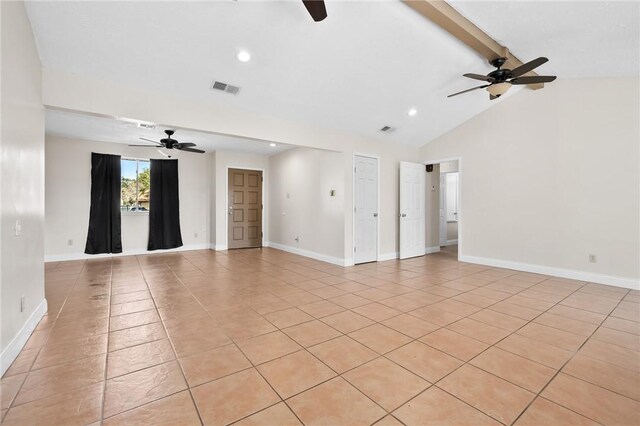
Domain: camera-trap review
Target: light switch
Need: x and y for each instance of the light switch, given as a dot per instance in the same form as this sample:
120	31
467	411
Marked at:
18	227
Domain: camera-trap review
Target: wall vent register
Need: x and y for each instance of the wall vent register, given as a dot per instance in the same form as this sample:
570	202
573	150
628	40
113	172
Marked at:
225	87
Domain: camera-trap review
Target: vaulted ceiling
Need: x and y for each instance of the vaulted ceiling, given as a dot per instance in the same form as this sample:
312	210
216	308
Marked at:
362	68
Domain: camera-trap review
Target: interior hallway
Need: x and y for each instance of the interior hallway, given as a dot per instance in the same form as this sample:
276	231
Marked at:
266	337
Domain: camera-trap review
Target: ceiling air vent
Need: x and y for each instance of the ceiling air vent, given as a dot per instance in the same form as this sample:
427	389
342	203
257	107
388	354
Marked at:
387	129
224	87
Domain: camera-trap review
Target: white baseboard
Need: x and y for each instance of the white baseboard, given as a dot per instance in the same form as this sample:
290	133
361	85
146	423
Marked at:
396	255
388	256
312	254
134	252
11	352
556	272
223	247
451	242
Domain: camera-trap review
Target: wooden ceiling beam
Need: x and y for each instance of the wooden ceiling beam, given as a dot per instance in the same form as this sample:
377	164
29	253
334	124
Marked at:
445	16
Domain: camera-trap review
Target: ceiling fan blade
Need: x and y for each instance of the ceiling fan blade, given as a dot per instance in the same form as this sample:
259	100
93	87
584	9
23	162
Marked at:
533	79
316	9
149	140
147	146
525	68
479	77
184	145
469	90
191	150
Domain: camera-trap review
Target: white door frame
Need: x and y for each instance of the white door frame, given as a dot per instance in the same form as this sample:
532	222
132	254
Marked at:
442	201
353	202
460	209
226	203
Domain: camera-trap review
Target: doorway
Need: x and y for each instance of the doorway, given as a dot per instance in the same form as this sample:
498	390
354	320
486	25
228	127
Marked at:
443	213
365	209
448	205
245	208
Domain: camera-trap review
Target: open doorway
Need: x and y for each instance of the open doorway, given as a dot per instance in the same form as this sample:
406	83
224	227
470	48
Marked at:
449	201
442	230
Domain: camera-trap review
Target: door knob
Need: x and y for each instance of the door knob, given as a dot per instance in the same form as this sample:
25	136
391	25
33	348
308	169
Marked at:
403	215
375	215
230	210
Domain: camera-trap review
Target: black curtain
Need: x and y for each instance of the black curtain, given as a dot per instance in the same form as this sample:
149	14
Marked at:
104	234
164	206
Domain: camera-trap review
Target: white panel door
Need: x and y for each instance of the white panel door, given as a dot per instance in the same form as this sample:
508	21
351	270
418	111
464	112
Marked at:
443	209
366	209
412	209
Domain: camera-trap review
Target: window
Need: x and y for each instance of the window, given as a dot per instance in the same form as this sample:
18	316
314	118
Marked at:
135	178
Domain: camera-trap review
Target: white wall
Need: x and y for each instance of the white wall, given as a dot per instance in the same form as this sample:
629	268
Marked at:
21	183
301	206
452	231
449	166
236	160
68	197
549	177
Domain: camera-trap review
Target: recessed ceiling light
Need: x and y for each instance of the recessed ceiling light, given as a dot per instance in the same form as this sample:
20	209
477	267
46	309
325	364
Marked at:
412	112
272	144
243	56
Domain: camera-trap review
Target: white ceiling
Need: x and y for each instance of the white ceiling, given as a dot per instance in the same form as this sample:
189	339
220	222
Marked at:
360	69
581	38
105	129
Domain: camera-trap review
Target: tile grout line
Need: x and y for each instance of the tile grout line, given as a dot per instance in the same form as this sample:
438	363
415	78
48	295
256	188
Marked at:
184	376
562	367
106	365
39	349
317	278
538	394
491	345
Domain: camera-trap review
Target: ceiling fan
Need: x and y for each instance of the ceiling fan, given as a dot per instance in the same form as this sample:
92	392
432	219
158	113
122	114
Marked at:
170	143
502	79
316	9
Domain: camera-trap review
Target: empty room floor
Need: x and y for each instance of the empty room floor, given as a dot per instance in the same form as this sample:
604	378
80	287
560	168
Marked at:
266	337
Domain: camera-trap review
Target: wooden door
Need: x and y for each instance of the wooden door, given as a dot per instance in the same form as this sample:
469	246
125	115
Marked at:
245	209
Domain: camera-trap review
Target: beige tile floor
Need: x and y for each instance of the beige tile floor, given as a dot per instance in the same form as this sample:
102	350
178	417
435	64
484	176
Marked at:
266	337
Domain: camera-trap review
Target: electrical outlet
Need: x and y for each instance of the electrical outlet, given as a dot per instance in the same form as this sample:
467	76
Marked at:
18	228
297	239
22	303
593	258
70	242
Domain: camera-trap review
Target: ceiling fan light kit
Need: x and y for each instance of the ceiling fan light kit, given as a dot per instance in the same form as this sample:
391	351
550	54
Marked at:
499	89
501	80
